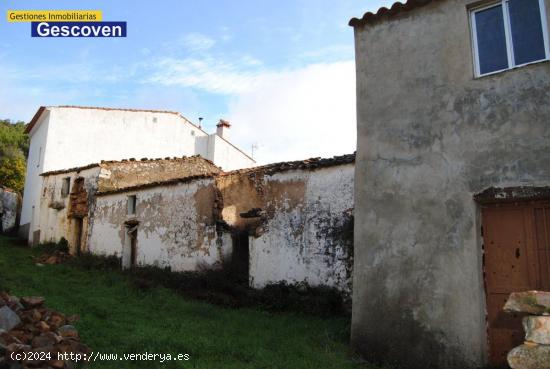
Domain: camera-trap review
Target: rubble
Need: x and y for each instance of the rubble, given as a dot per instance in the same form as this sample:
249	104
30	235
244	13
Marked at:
36	329
57	257
535	352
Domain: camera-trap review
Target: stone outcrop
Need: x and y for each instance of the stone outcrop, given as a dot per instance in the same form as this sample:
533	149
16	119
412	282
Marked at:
27	326
535	352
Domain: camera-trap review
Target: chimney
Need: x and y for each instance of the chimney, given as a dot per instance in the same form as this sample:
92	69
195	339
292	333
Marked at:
223	128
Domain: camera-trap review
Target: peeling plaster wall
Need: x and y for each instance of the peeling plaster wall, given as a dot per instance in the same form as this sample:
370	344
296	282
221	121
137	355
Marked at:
177	226
9	207
306	231
430	136
54	216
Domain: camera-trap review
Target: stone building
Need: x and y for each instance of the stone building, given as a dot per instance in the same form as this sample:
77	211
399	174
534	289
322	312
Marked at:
452	178
10	204
290	222
70	136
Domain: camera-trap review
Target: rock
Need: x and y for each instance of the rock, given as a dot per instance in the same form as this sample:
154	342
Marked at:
56	320
537	329
68	331
530	302
32	301
58	364
43	326
530	356
8	319
43	340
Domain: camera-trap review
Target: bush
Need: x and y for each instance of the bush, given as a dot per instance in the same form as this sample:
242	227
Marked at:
52	247
96	262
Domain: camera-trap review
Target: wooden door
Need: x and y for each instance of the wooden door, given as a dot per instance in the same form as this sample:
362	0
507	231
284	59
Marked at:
516	254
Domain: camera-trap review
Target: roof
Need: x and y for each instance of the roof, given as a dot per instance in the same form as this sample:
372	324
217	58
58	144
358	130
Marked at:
308	164
382	13
40	110
123	161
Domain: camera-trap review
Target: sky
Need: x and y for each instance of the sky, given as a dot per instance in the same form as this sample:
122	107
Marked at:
281	71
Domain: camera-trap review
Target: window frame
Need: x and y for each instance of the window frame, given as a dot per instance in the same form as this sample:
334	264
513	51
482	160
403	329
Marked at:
132	198
508	36
65	192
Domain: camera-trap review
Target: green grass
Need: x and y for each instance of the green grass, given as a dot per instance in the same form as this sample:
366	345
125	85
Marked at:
118	318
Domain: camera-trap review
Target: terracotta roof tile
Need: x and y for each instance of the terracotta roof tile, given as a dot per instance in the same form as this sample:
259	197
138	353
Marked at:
396	8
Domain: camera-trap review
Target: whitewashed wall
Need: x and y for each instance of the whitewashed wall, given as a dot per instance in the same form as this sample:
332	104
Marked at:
176	226
309	241
33	181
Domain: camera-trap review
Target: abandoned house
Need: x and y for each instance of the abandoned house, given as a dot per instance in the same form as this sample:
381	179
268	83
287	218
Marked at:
452	184
69	136
290	222
10	203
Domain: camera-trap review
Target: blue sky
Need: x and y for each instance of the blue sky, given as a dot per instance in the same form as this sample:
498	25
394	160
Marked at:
281	71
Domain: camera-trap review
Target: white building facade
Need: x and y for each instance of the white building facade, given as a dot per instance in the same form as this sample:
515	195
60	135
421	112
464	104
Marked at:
67	136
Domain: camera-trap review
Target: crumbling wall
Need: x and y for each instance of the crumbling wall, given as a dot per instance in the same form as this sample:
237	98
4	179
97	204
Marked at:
176	225
300	222
58	211
9	208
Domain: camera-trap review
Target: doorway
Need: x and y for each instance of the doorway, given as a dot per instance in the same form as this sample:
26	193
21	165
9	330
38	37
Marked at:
240	262
516	240
129	252
78	224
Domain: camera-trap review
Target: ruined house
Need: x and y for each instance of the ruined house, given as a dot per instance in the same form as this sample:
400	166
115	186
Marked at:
286	222
452	178
10	204
71	136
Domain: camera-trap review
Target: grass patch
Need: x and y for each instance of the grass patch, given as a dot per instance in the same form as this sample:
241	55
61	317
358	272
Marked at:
118	318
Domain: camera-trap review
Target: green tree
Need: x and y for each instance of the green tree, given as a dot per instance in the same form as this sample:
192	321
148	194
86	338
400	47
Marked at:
14	148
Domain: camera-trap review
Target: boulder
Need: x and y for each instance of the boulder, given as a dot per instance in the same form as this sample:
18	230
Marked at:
68	331
8	319
537	329
530	302
32	301
530	356
43	340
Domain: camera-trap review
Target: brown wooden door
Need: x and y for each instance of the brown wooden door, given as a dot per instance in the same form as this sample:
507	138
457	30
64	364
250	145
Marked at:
516	259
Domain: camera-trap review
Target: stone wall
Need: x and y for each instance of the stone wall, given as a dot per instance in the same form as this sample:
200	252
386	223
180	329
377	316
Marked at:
9	210
430	136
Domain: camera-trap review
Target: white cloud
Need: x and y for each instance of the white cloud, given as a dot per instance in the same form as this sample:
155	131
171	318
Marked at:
298	114
208	74
197	42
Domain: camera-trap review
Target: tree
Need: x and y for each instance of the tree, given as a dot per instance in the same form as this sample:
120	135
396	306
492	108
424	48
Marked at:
14	148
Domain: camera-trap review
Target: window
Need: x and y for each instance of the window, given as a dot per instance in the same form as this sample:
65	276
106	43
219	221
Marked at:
131	205
65	186
509	34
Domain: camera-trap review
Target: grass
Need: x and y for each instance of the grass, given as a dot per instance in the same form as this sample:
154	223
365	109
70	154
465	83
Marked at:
118	318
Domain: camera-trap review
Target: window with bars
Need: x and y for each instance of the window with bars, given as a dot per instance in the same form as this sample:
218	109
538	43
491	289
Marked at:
508	34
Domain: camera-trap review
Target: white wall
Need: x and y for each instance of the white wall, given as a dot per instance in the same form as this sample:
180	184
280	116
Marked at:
227	156
303	241
176	226
33	182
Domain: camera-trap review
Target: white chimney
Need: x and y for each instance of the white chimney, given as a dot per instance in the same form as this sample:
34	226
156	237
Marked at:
222	129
